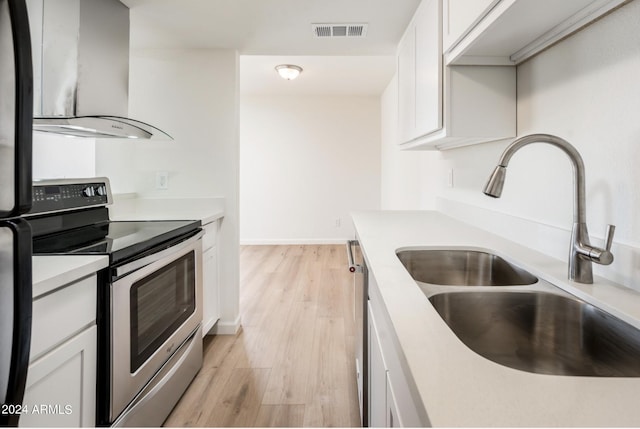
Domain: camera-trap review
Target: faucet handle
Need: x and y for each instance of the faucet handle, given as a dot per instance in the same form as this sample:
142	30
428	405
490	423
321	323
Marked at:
603	256
608	239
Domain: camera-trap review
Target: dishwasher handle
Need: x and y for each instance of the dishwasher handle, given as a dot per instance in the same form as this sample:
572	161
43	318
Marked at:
353	267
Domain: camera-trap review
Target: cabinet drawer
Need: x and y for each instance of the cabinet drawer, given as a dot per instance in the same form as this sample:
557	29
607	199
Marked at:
210	237
61	314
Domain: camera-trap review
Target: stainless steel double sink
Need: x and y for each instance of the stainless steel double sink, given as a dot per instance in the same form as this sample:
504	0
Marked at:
505	314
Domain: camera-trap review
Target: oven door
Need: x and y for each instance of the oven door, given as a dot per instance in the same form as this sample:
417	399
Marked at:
154	310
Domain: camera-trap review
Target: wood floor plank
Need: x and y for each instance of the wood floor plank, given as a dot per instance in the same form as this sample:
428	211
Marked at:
337	257
332	301
288	380
240	401
292	363
202	396
216	349
275	257
272	294
257	347
250	300
280	416
330	401
309	277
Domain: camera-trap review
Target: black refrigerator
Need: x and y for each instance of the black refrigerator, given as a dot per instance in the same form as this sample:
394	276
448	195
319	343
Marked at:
16	118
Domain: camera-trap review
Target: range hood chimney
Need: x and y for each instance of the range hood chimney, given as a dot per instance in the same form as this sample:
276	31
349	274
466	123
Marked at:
81	69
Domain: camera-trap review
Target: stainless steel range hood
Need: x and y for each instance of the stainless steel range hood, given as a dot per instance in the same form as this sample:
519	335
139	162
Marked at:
81	69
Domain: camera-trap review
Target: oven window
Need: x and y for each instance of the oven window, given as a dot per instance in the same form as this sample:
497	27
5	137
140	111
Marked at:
160	303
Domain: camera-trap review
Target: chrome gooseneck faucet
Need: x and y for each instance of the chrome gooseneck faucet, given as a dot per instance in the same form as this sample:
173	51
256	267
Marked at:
581	253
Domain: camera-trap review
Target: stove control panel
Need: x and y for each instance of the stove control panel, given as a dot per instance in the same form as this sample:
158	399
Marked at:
69	194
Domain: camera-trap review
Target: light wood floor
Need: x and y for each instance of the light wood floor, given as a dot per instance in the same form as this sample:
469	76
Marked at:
292	364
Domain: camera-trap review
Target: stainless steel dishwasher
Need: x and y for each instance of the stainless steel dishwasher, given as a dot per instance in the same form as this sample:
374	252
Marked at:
358	267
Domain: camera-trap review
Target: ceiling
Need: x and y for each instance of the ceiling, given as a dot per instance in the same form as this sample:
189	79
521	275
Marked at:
270	32
321	75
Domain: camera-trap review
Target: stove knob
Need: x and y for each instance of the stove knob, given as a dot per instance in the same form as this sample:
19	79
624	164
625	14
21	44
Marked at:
102	190
88	191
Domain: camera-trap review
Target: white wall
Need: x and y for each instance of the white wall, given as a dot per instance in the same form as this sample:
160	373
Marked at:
585	89
192	95
58	157
406	176
306	163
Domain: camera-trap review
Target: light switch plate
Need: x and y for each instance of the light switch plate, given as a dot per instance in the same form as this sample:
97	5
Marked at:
162	180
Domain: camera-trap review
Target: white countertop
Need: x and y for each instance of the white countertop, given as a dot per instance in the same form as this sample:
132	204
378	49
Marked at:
130	207
52	272
459	387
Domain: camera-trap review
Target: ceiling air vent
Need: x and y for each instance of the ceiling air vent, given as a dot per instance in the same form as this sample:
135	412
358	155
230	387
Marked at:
322	31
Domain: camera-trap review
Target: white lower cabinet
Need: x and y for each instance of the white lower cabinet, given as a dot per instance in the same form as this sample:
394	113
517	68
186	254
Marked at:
210	278
61	380
392	396
393	416
61	385
377	377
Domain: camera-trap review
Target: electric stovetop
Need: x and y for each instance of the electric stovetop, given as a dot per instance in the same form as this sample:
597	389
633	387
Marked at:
96	235
120	240
70	217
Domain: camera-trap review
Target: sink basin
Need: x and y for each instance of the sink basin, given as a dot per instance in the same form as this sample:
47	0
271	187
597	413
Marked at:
462	268
542	333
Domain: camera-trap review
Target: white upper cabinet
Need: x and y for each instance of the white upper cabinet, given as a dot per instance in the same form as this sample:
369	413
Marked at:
428	68
456	80
406	86
458	16
420	74
507	32
442	107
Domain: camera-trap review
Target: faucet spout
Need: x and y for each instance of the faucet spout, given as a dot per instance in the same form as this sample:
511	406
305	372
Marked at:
494	185
581	253
579	211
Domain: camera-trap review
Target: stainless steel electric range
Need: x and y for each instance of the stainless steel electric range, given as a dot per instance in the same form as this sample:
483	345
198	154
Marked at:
149	308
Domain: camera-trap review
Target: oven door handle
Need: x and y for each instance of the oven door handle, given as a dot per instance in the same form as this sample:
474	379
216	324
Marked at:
150	259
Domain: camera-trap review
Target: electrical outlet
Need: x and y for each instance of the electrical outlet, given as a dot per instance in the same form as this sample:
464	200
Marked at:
338	222
162	180
450	178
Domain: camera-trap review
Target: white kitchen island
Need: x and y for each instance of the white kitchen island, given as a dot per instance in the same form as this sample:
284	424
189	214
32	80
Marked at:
449	384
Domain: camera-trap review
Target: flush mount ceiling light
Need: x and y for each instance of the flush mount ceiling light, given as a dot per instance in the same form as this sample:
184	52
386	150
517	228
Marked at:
288	71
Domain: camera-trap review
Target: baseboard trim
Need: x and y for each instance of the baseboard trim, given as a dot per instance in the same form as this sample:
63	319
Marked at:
284	242
226	328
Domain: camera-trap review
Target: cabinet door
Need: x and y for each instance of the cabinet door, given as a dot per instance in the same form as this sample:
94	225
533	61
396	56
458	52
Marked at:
393	416
406	86
428	68
459	16
211	290
420	74
377	378
61	385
